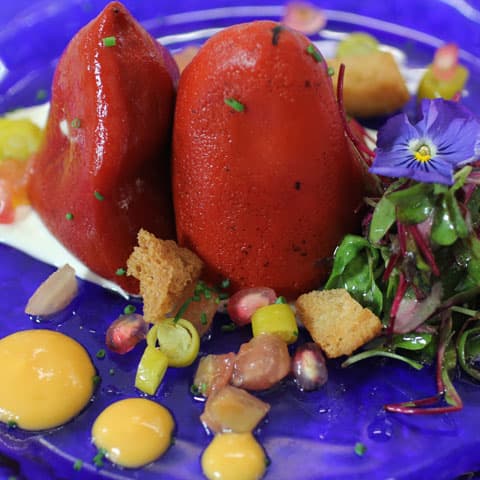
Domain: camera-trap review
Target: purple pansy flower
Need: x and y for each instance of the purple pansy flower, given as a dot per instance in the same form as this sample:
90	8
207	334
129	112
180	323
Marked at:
447	136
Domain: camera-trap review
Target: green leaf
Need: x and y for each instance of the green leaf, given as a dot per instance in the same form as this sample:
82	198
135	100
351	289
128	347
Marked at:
456	215
443	228
468	350
354	269
412	341
414	204
383	218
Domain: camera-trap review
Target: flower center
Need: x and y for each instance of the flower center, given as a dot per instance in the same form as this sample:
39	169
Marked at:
423	154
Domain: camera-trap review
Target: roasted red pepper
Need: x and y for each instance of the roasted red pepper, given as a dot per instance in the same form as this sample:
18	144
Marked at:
264	182
103	170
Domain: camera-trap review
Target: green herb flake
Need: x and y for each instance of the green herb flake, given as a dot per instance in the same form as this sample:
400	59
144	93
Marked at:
99	457
225	283
223	296
360	449
196	298
77	466
41	94
76	123
129	309
281	300
120	272
12	425
295	333
229	327
235	104
69	216
314	53
96	380
203	318
109	41
331	71
99	196
276	30
100	354
182	310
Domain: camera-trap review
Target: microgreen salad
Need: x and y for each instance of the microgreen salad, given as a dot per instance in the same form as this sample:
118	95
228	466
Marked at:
417	263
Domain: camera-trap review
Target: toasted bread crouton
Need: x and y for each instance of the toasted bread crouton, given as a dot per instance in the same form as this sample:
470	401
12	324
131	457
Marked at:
164	270
373	84
336	321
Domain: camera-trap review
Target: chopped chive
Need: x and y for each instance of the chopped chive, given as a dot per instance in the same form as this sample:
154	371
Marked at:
182	310
207	294
75	123
69	216
235	104
223	295
77	466
295	333
12	425
99	196
225	283
98	458
281	299
331	71
96	380
111	371
196	298
276	34
194	390
311	50
120	272
41	94
360	449
109	41
129	309
203	318
229	327
101	353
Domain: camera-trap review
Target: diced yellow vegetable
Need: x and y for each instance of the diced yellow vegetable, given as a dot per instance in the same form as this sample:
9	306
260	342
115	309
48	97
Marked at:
357	43
151	370
277	318
19	139
179	340
432	87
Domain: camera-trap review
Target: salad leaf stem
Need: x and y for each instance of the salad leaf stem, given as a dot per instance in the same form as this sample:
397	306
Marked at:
424	249
380	353
401	289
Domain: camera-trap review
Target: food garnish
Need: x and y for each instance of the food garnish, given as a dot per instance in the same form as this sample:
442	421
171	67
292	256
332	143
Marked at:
416	266
54	294
445	77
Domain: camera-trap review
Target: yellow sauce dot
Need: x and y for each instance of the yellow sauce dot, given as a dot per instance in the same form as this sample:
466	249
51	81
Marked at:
233	456
45	379
133	432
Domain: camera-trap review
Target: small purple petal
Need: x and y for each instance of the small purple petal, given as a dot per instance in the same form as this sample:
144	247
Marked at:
400	164
396	132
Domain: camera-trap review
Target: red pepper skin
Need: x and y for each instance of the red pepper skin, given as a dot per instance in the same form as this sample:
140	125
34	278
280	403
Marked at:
262	195
120	99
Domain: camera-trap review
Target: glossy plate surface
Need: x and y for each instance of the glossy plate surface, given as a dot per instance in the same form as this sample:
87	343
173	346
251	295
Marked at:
307	436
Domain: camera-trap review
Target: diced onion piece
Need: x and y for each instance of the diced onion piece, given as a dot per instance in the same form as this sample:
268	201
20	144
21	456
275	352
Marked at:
279	319
179	340
233	410
54	294
356	44
304	17
151	370
213	373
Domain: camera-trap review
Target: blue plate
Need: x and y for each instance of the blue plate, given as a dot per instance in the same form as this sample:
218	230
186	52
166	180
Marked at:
307	435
